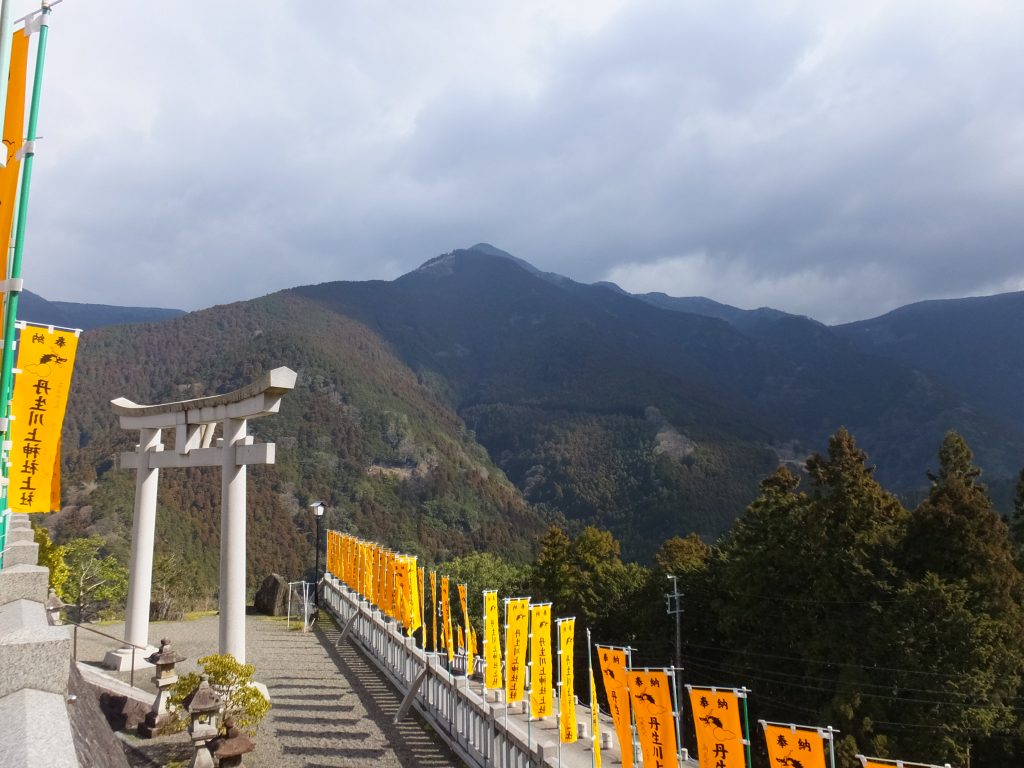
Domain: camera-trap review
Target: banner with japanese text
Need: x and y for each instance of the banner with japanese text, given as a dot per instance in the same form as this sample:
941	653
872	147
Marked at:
14	138
595	722
460	639
612	662
795	745
650	691
517	615
541	682
420	575
413	598
717	720
433	610
492	641
46	358
446	619
464	605
566	681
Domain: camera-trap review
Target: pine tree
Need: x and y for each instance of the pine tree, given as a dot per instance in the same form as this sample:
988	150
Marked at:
961	616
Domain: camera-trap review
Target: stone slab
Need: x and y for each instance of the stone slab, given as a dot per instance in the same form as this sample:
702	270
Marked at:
20	534
36	730
24	582
21	553
32	653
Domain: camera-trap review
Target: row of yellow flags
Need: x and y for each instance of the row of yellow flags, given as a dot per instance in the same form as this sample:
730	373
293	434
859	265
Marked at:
46	355
643	699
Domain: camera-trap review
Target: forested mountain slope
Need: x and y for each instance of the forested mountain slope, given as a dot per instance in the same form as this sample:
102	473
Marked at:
359	432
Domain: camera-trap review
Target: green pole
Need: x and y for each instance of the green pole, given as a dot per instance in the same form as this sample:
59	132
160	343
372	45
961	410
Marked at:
746	723
11	309
591	686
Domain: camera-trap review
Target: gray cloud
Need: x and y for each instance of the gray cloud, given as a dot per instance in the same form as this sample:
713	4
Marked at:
817	157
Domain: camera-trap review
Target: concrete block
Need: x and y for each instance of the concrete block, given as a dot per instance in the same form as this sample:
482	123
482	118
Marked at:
20	534
32	653
21	553
36	730
19	521
24	582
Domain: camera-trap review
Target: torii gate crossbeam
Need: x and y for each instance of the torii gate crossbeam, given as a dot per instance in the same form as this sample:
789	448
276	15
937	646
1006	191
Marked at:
194	422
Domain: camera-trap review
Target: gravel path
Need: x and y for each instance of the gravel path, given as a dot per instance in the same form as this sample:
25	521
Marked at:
331	707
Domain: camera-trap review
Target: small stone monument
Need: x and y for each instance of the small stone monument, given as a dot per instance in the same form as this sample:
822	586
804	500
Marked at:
203	707
165	676
228	749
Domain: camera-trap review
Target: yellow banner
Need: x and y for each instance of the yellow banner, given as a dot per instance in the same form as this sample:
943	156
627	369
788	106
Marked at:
368	572
650	691
517	614
446	619
541	684
566	681
433	609
793	745
46	359
595	723
492	641
613	673
423	608
463	604
413	597
460	639
717	720
14	138
471	650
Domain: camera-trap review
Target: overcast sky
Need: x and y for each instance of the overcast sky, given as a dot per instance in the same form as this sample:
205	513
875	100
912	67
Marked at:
830	159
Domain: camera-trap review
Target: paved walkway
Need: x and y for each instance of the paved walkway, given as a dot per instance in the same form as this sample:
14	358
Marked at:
331	707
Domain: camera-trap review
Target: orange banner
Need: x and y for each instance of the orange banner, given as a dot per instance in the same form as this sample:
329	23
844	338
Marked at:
566	681
794	745
464	605
541	683
717	720
517	614
446	619
46	358
595	723
433	610
14	138
420	572
613	673
412	596
650	692
492	641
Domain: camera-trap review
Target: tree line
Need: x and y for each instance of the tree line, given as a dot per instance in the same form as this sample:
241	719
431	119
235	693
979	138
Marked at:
828	598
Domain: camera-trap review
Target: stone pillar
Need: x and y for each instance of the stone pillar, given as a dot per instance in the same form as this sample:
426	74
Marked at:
232	543
140	571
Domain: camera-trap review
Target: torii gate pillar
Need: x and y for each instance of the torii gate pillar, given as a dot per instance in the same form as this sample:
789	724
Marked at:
194	422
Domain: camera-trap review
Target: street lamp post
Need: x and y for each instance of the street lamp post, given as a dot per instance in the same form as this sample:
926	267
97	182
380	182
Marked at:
318	512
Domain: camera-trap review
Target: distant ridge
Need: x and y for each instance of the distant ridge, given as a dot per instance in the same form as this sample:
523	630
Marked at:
35	309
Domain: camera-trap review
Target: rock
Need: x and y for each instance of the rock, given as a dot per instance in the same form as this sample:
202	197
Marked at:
272	596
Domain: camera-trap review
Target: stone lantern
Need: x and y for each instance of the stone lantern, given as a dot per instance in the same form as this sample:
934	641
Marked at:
164	677
53	606
230	747
203	707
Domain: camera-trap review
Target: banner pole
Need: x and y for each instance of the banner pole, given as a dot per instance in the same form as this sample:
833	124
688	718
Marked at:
558	700
746	725
678	713
11	308
632	720
591	686
505	696
832	746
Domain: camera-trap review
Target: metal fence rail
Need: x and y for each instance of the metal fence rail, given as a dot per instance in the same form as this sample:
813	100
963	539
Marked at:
472	727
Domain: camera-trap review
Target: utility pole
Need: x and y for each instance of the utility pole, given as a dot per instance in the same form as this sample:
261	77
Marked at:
674	605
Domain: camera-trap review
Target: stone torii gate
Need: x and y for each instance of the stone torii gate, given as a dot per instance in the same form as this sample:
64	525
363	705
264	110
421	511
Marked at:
194	422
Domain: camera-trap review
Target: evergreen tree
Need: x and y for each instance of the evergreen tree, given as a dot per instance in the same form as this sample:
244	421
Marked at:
962	617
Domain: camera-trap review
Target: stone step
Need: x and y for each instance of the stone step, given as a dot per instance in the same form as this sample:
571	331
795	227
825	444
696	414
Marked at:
32	653
21	553
20	534
24	582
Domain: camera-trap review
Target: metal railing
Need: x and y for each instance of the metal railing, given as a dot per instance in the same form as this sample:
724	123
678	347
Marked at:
74	645
474	728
